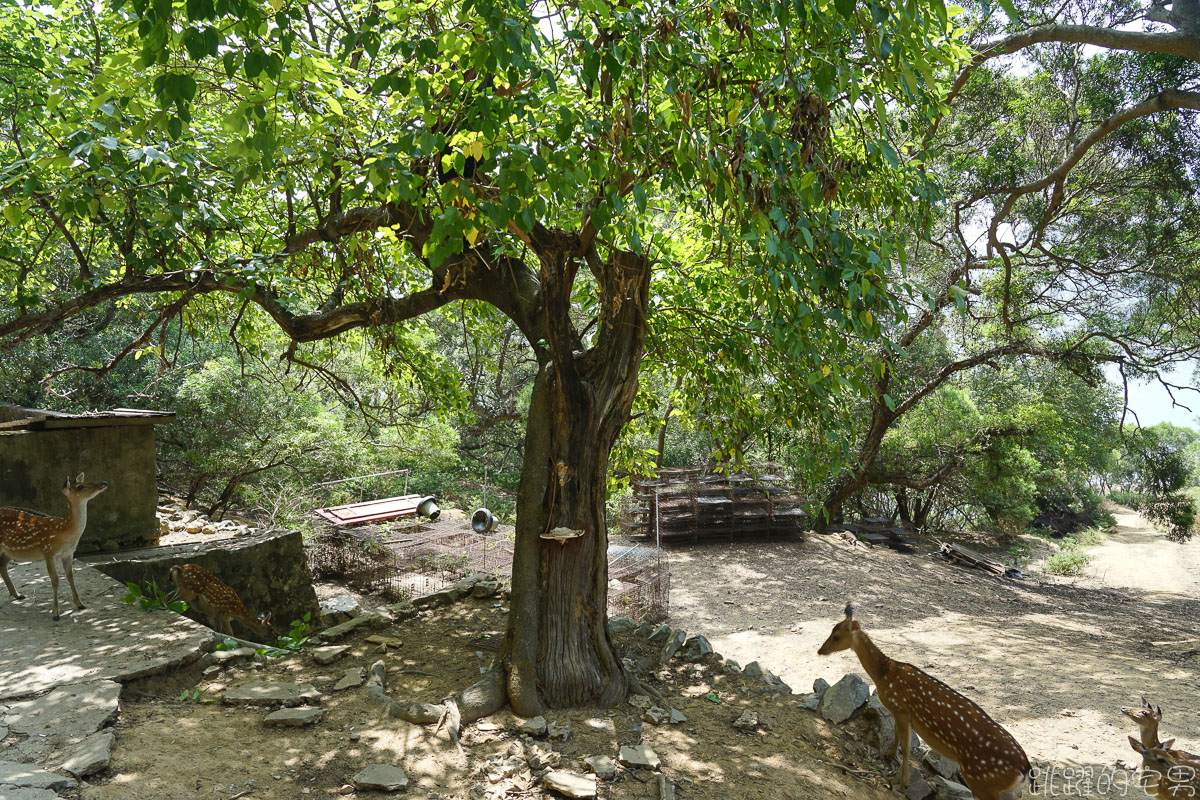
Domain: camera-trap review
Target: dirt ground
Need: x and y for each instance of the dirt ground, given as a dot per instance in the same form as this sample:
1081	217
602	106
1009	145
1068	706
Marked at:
1052	659
168	748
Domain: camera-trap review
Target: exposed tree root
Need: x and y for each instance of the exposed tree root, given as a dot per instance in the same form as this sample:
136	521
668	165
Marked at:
477	701
637	687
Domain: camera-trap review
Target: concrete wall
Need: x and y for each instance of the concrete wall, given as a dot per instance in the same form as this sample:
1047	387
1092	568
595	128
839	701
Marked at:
269	571
34	464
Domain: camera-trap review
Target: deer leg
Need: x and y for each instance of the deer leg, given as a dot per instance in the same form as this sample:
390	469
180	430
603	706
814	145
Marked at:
68	563
903	741
7	580
53	583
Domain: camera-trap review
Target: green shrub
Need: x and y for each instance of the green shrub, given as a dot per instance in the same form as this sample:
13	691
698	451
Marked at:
1132	500
1066	562
1176	512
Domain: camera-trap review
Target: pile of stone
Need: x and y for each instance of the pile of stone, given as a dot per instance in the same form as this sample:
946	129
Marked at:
175	518
870	729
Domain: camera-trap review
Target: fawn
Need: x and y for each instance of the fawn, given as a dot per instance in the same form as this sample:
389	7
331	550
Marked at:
205	591
992	764
1147	718
30	535
1174	778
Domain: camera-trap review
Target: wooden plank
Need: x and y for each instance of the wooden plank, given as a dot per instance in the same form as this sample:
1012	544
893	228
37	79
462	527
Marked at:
372	510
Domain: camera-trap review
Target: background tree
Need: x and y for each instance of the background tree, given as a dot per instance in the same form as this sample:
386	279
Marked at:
358	167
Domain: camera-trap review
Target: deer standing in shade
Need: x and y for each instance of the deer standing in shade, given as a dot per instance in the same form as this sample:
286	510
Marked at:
205	591
992	764
1174	778
30	535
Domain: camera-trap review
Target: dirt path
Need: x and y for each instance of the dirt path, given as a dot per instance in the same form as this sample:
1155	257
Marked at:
1052	659
1139	558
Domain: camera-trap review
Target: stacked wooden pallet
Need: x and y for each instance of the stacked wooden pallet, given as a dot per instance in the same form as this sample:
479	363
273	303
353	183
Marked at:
691	504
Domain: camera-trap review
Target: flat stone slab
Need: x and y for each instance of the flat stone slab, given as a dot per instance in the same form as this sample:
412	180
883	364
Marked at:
107	640
29	776
294	717
329	653
361	622
91	755
639	756
382	777
571	784
270	693
69	712
25	793
354	677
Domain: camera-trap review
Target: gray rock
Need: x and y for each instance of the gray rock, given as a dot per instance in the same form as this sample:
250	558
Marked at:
696	649
398	612
644	629
919	787
571	784
640	701
269	693
372	622
69	712
534	727
844	698
811	701
940	765
660	633
949	790
639	756
380	777
677	717
91	755
820	685
885	725
294	717
674	642
732	667
3	731
28	776
485	589
540	758
604	767
654	715
329	653
442	597
555	730
26	793
619	625
226	657
748	721
752	670
353	677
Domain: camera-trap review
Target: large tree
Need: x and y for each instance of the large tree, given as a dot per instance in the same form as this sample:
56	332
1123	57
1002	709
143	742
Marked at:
358	166
1072	231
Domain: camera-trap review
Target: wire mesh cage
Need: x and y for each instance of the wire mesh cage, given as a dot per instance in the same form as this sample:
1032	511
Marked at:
411	557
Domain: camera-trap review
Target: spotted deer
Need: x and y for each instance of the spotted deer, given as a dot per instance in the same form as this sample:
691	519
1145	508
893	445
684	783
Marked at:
992	764
1165	775
207	594
1147	718
30	535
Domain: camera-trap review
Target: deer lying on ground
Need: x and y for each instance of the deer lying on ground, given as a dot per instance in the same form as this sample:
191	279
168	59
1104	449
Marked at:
207	594
1174	778
992	764
30	535
1147	718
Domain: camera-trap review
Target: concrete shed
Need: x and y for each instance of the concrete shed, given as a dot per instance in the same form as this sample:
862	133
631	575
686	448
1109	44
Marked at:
39	449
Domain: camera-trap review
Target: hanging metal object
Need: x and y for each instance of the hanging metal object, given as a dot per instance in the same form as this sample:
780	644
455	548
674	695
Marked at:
482	520
428	507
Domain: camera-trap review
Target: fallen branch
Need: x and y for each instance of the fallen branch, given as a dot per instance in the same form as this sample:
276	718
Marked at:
477	701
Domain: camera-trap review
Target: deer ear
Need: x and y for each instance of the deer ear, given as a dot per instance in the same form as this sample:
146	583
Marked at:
1166	745
1136	745
79	478
1158	713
